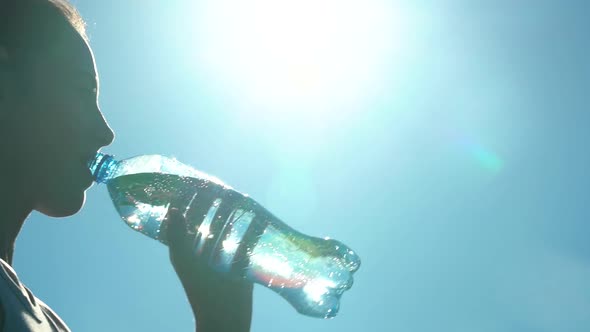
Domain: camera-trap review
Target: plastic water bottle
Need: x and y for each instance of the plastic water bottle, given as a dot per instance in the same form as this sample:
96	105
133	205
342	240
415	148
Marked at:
238	237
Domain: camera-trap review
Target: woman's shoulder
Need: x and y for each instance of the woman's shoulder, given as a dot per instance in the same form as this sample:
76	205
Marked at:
21	310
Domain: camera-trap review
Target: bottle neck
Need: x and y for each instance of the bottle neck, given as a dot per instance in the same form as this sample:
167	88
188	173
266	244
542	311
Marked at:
102	167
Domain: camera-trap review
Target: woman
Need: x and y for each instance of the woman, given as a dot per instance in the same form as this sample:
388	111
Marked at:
50	125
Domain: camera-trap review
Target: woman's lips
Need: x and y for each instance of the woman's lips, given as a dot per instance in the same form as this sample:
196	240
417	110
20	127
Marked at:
88	179
88	159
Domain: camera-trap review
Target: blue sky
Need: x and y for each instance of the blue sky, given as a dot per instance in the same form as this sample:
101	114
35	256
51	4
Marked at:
442	141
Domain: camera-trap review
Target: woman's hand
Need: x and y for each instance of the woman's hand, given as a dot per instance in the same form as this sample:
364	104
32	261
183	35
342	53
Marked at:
218	304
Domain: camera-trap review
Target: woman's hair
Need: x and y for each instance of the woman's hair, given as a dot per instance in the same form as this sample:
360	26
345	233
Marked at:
31	25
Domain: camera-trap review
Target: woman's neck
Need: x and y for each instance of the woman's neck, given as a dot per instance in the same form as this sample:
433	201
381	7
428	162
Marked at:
13	212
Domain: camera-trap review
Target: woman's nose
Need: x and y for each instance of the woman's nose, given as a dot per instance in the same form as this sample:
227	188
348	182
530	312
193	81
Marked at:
104	133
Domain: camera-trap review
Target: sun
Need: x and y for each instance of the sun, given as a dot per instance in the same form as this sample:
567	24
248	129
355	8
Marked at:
310	56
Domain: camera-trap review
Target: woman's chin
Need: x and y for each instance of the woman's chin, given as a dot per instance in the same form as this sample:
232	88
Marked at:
62	206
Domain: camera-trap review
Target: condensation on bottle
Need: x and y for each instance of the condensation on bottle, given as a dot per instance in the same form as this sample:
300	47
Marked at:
237	236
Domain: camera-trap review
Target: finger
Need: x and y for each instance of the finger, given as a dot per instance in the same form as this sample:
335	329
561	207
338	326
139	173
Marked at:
176	229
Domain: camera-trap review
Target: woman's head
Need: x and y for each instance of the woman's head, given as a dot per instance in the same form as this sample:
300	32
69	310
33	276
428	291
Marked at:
50	123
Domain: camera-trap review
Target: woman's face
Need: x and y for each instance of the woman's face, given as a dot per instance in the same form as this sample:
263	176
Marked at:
57	126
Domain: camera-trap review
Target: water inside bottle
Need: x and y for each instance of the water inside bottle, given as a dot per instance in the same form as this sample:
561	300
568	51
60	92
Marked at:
240	238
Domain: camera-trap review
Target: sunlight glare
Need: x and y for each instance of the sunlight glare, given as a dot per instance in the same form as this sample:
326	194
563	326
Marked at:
316	289
311	55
